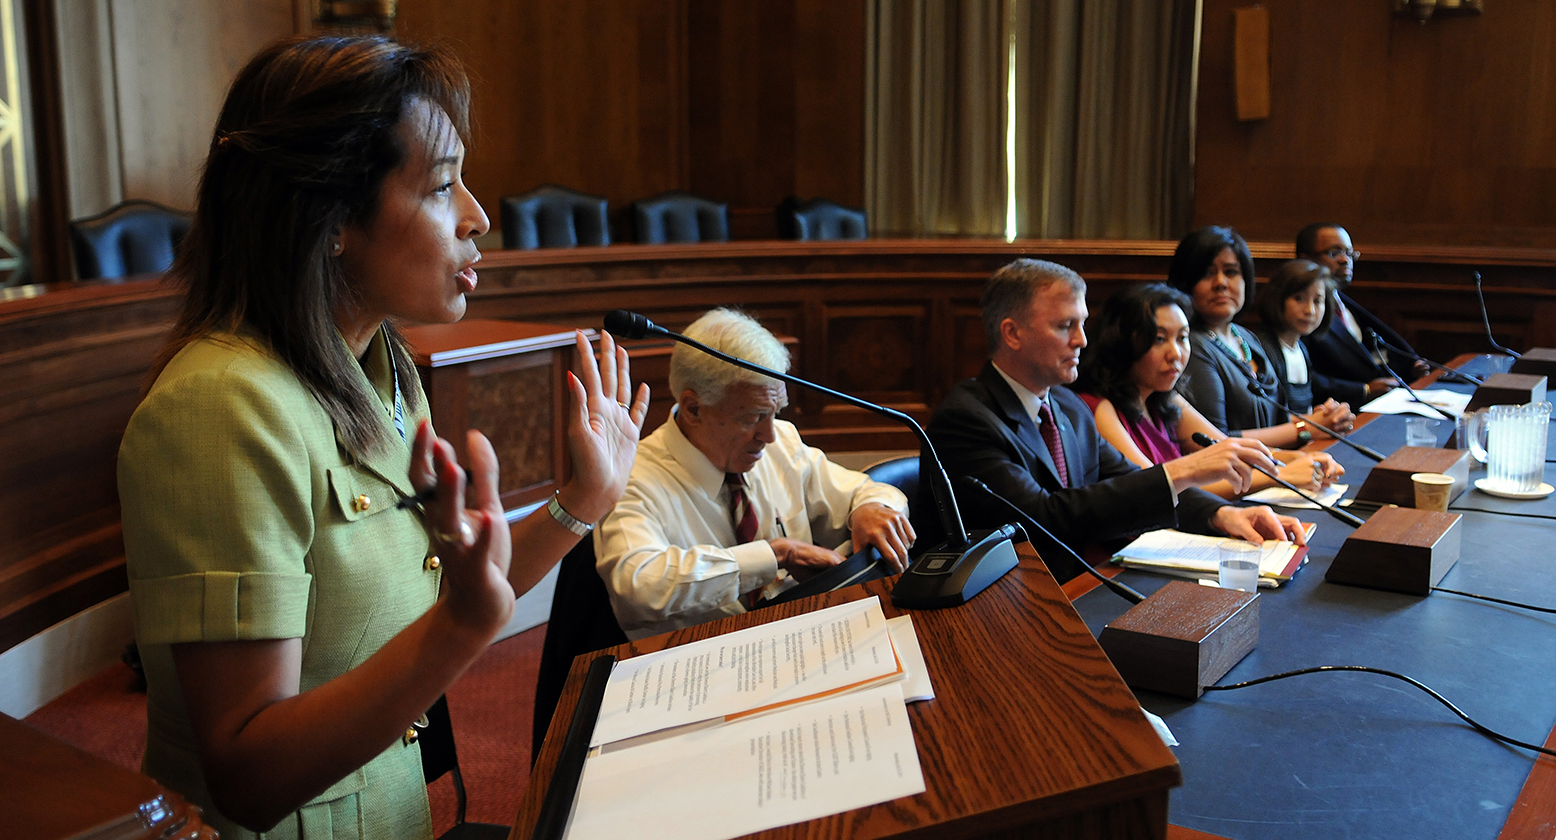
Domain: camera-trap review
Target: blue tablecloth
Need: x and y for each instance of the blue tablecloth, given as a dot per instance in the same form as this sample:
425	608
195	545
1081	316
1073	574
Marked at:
1361	755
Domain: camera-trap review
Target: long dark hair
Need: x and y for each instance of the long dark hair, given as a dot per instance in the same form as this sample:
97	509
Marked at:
303	145
1122	333
1194	255
1291	278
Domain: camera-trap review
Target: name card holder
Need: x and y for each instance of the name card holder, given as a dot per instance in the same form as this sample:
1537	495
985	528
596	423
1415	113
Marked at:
1508	389
1182	638
1389	481
1399	550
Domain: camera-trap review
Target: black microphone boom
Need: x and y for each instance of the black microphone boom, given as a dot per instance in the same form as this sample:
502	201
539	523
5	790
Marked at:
1402	383
1485	318
1258	391
979	559
1033	528
1347	517
1448	372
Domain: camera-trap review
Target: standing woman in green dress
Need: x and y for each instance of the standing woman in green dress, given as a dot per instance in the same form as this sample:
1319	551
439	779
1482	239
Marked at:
308	572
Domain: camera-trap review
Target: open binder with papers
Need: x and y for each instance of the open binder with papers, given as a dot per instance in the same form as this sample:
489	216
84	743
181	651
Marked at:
1195	556
775	724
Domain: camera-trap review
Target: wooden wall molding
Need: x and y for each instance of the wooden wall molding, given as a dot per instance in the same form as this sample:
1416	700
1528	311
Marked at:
896	321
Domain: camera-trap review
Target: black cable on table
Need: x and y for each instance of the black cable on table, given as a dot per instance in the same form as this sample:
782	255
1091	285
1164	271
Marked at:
1484	730
1419	685
1494	600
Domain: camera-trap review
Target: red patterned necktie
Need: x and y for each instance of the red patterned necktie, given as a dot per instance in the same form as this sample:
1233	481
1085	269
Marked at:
740	510
1050	432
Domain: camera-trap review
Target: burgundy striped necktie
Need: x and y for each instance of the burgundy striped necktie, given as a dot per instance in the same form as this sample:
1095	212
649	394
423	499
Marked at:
741	513
1050	432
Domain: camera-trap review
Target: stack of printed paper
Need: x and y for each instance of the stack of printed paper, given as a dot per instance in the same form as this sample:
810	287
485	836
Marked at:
775	724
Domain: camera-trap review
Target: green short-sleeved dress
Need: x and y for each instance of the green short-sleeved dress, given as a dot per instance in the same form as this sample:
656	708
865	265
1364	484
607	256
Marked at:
245	518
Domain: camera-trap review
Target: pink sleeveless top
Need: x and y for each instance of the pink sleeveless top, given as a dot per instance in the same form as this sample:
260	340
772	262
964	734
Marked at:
1155	438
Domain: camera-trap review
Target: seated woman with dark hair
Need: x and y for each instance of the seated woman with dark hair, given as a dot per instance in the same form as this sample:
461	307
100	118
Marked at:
1299	300
1128	373
1213	267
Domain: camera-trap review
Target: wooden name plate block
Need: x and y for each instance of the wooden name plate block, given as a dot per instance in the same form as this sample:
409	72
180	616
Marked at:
1508	389
1538	361
1400	550
1389	482
1182	638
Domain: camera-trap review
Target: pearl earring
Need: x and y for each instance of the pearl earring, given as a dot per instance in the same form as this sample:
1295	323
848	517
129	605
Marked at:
335	248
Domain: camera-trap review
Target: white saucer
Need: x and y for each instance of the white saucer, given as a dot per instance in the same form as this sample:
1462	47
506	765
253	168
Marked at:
1540	492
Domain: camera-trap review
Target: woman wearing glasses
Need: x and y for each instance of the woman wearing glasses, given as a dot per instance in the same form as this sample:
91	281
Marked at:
1229	378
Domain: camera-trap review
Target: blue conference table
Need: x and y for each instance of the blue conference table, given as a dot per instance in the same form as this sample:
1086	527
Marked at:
1362	755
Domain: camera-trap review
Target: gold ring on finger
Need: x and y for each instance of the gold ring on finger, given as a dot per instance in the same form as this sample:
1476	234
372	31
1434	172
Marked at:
624	406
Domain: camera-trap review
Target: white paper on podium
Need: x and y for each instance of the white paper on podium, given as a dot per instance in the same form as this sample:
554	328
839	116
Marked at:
1398	401
831	650
747	775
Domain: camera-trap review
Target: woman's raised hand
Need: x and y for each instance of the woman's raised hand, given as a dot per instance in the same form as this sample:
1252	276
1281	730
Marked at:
469	534
603	429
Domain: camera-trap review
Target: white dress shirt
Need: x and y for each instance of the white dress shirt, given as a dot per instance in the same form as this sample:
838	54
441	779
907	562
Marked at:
667	551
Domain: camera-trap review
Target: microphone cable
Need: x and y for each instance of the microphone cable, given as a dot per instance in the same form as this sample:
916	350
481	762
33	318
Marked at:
1479	727
1518	604
1448	373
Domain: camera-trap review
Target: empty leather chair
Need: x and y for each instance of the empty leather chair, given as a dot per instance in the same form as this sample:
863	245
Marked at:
550	216
901	473
821	219
680	217
131	237
581	621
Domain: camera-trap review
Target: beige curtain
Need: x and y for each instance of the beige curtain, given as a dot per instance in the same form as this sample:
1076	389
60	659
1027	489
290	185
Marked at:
1104	117
935	117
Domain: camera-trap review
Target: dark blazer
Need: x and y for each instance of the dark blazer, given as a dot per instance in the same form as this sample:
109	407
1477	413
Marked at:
1347	365
982	430
1272	351
1215	382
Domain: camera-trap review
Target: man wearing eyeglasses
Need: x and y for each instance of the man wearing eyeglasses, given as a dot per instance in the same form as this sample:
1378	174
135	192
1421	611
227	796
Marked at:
1348	363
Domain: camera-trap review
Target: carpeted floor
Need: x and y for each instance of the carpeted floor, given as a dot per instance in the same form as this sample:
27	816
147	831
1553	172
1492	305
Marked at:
492	706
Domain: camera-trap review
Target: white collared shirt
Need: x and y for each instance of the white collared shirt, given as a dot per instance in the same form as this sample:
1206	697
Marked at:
667	551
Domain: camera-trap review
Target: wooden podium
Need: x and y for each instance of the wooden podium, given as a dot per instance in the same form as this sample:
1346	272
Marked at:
49	790
1031	732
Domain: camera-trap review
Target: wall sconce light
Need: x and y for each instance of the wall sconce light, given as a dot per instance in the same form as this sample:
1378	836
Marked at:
1423	10
356	14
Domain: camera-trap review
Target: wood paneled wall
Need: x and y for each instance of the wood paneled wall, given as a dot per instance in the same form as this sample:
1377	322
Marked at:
741	102
895	321
1442	134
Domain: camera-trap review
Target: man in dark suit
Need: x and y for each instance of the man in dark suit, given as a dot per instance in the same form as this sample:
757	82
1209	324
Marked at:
1034	442
1348	363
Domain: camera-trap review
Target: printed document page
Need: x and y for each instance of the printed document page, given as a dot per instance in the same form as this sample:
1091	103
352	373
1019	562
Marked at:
1281	497
828	651
1398	401
788	766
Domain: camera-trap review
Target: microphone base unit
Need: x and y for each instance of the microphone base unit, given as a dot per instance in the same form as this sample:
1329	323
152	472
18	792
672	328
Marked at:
1399	550
1537	361
1182	638
1508	389
949	575
1389	481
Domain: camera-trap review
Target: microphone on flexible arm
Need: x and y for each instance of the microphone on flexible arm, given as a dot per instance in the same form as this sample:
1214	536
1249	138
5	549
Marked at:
944	576
1485	318
1449	374
1406	385
1258	391
1347	517
1034	529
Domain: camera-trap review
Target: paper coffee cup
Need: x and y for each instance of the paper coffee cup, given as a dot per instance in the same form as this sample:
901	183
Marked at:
1432	490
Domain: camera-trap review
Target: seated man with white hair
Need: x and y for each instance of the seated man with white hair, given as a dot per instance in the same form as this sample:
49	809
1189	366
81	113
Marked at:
725	503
